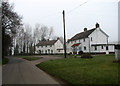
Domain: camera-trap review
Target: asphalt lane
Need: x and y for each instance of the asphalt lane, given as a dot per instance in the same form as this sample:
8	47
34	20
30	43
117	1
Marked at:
20	71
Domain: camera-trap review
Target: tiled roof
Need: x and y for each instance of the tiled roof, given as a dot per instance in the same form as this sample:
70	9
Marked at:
82	35
43	43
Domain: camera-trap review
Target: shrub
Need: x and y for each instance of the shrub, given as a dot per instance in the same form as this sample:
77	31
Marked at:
80	52
86	56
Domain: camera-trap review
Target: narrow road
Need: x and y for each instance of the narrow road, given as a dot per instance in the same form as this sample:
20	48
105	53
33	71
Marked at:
20	71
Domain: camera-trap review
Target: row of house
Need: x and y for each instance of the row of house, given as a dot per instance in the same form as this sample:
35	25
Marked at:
93	40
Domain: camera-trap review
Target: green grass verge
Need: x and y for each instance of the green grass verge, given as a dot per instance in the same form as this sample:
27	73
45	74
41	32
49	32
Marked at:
29	58
76	71
4	61
32	58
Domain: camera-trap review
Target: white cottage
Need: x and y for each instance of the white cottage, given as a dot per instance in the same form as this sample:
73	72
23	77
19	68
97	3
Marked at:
49	47
90	41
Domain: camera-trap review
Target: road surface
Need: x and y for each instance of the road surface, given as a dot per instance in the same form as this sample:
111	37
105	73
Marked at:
20	71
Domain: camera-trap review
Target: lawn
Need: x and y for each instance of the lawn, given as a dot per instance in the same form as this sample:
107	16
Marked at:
29	58
76	71
4	61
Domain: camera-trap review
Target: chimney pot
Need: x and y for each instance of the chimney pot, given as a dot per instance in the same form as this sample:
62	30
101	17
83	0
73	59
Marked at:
97	25
85	29
58	38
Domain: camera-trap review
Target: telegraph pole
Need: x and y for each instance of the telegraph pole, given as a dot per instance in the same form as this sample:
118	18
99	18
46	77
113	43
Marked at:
64	34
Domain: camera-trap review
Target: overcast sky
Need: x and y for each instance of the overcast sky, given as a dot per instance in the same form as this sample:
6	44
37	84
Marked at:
78	16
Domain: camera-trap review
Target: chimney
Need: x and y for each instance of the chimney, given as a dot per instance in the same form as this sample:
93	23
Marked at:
97	25
58	38
85	29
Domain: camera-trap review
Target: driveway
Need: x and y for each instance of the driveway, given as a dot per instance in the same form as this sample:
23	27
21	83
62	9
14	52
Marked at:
20	71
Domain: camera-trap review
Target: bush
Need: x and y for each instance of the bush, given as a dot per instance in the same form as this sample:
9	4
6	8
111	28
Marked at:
80	52
86	56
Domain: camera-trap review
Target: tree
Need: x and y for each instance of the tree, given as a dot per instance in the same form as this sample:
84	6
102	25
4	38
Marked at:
24	38
10	23
44	33
50	33
16	50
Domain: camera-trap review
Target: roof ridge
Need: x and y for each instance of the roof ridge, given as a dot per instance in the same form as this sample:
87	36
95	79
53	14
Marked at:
82	34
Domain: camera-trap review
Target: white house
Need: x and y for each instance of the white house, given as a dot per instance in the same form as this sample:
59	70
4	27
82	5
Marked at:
90	41
49	47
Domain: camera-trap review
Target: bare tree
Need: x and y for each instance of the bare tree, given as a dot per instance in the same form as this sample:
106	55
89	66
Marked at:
44	33
28	37
23	39
36	36
50	33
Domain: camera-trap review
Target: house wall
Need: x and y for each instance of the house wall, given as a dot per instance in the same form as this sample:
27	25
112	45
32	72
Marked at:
98	37
100	50
82	45
57	45
44	49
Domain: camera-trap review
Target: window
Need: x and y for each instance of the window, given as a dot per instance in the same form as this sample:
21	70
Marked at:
106	47
50	45
41	46
42	51
71	42
84	48
91	39
37	46
95	47
46	45
84	40
75	41
51	51
79	41
58	50
48	50
101	47
45	51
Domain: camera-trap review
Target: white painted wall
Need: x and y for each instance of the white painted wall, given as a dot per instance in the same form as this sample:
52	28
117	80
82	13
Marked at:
82	45
57	45
100	50
44	48
98	37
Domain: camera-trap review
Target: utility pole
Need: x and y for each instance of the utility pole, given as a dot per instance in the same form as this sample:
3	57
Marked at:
64	34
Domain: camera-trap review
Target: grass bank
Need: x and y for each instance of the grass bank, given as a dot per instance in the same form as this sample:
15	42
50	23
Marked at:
76	71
